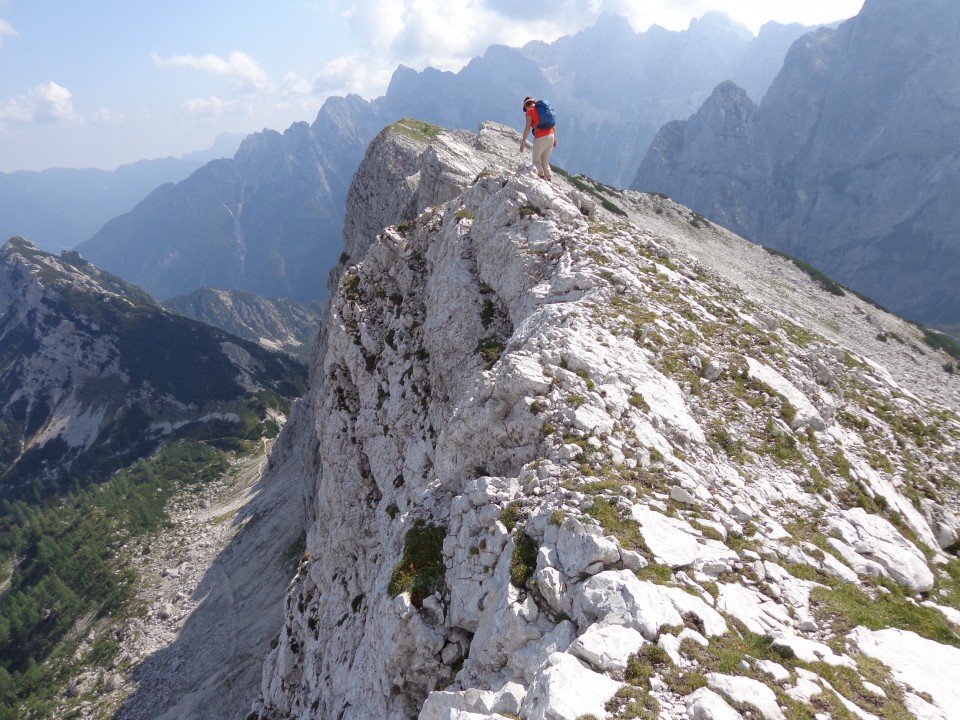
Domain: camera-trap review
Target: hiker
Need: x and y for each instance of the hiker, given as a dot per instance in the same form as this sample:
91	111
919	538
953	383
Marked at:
545	138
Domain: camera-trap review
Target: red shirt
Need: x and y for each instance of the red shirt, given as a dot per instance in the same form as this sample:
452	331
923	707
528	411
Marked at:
534	116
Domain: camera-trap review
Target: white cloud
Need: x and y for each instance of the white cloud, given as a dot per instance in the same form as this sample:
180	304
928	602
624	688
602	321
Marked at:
105	116
6	30
238	66
445	35
215	107
43	104
364	75
295	84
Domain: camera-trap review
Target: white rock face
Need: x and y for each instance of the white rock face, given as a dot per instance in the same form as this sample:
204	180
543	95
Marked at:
670	540
876	538
607	648
747	691
705	704
923	666
542	439
618	598
567	689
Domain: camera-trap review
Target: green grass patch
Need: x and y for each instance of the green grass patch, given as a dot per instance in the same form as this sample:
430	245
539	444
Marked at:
417	129
626	530
845	607
523	561
510	515
421	570
825	282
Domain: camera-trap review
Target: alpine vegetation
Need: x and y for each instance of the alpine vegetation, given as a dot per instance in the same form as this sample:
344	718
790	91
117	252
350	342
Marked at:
575	452
125	431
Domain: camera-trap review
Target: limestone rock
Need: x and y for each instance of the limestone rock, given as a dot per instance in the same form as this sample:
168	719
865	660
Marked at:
705	704
747	691
565	688
922	665
607	648
880	541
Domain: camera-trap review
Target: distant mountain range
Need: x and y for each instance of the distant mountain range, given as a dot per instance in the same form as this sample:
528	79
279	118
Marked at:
93	373
850	162
269	221
276	324
60	207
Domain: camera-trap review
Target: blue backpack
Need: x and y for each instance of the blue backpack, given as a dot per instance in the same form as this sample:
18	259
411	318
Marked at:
548	118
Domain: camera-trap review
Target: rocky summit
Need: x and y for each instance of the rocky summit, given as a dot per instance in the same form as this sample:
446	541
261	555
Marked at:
572	452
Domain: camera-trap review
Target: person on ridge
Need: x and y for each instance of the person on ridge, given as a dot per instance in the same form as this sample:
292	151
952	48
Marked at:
545	140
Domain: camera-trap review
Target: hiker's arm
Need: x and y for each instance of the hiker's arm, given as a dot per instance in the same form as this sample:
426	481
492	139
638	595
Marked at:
526	131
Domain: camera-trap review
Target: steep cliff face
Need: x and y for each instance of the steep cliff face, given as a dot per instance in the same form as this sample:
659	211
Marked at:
577	452
848	163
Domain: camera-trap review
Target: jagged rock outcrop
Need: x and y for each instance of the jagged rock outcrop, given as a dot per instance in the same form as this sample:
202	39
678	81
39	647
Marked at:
573	451
93	373
848	161
273	323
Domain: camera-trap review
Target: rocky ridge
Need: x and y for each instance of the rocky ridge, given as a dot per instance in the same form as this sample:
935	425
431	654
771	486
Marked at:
573	452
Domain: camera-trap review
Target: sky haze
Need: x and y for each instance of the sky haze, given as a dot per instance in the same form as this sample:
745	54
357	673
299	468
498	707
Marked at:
103	83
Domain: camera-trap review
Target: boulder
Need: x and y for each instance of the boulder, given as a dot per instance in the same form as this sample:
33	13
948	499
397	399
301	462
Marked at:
565	688
705	704
748	692
617	597
670	540
877	539
607	648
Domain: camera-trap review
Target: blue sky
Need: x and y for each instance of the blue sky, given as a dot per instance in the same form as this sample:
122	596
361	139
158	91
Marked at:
104	82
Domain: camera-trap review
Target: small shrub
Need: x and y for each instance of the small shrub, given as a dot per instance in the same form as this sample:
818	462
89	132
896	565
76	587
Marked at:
421	570
510	515
490	350
524	560
583	375
488	312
